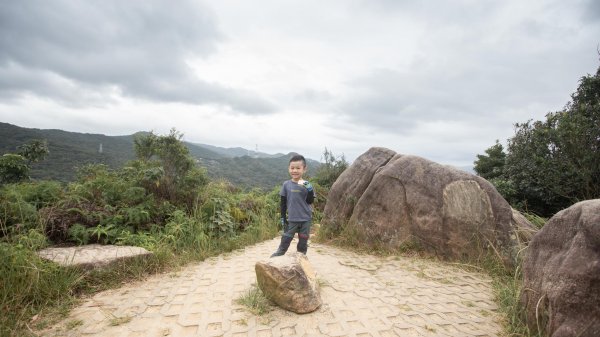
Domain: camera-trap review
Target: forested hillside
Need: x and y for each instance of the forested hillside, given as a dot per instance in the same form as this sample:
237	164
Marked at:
254	172
70	150
238	151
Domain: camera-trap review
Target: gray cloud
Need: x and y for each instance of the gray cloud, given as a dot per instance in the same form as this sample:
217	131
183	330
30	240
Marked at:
140	47
389	100
592	11
16	81
393	101
480	72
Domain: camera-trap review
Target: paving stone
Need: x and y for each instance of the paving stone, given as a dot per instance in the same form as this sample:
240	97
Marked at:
362	295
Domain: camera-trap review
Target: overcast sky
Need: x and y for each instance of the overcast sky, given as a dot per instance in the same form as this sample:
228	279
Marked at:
438	79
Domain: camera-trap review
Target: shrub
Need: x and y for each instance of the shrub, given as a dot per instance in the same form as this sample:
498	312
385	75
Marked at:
13	168
79	233
331	169
16	214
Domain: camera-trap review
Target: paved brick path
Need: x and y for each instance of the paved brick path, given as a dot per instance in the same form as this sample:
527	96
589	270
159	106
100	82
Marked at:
362	295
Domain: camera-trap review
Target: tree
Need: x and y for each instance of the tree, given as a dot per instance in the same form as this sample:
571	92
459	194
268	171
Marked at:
168	165
144	146
14	167
556	162
491	165
331	169
34	150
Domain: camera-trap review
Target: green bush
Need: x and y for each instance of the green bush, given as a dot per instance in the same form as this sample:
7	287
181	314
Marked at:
16	214
553	163
13	168
79	233
33	240
183	232
331	169
40	193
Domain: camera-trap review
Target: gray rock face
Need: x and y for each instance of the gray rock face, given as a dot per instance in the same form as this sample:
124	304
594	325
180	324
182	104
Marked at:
561	289
290	282
407	201
523	228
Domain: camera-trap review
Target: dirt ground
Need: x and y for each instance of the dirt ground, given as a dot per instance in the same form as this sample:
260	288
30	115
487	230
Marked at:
362	296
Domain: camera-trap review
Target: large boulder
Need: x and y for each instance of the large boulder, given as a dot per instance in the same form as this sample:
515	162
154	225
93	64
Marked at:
290	282
561	270
406	201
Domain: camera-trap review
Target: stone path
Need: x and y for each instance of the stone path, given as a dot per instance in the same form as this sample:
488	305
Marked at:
363	296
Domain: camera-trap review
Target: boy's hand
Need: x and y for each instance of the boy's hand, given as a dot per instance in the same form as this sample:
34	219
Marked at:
308	185
283	224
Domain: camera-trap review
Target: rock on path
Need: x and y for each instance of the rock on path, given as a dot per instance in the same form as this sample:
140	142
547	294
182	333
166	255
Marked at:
362	295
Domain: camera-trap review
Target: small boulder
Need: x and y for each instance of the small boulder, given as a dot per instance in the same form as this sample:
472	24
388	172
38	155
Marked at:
561	271
290	282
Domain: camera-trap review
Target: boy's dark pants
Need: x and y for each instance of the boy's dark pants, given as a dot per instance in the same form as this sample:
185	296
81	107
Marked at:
303	229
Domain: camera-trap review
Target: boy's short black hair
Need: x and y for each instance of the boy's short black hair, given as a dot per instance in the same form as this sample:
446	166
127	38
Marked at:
298	157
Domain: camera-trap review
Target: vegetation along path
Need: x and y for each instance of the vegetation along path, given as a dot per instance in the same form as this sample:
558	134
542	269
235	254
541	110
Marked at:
362	295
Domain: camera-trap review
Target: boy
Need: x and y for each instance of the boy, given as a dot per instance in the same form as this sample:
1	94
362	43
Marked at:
297	195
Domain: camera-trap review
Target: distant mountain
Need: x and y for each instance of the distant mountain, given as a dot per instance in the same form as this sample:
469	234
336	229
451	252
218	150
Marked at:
264	173
232	152
69	150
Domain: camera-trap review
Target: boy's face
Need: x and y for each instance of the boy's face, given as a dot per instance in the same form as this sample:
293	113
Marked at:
296	170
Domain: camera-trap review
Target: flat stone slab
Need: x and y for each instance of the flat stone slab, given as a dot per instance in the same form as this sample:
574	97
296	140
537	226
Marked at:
91	256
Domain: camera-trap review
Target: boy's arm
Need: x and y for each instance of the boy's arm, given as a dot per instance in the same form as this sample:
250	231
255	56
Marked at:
310	196
283	208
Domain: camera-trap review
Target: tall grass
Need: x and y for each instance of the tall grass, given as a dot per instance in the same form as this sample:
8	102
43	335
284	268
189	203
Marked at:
35	292
507	285
29	284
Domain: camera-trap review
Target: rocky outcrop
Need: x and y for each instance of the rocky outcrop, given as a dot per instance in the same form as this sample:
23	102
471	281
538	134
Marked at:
561	270
407	201
523	229
290	282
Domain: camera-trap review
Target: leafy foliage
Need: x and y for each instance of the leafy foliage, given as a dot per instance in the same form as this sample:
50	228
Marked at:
34	151
15	210
491	165
169	170
13	168
554	163
331	169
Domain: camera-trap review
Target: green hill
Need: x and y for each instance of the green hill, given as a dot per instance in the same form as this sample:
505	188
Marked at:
232	152
69	150
264	173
